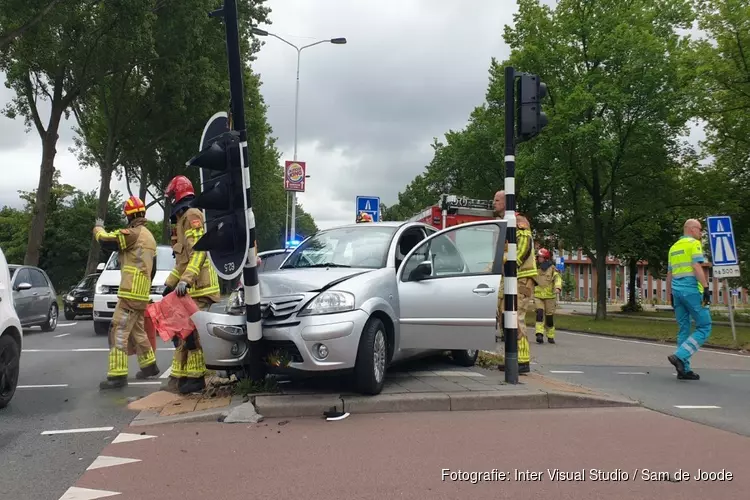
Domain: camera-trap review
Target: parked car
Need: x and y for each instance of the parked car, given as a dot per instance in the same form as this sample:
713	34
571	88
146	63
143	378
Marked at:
362	296
270	260
11	336
34	297
108	284
80	299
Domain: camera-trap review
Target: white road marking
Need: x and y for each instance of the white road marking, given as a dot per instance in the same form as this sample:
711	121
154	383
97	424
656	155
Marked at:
564	371
669	346
78	431
124	437
106	461
41	386
144	383
697	407
739	374
446	373
87	349
632	373
76	493
67	324
61	335
167	373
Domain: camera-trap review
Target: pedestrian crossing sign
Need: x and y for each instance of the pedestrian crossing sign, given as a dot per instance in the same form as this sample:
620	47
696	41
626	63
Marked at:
723	246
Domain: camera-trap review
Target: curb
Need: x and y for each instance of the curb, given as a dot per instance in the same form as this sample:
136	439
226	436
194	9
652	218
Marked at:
152	417
735	350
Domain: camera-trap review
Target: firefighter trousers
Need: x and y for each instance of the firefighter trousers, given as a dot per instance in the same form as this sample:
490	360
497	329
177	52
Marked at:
545	316
128	323
188	360
525	292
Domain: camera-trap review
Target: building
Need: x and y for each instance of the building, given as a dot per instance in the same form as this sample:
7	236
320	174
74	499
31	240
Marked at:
651	289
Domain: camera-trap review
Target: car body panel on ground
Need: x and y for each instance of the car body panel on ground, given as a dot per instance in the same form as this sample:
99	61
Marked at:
79	301
11	336
34	297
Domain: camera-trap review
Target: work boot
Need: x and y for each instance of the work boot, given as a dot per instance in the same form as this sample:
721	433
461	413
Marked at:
691	375
148	371
678	364
550	341
539	338
524	368
171	385
189	385
113	383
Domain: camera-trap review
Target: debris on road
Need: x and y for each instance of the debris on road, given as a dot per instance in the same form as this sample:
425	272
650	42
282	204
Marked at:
244	413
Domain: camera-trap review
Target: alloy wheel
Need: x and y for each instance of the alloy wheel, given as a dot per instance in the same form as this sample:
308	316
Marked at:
379	355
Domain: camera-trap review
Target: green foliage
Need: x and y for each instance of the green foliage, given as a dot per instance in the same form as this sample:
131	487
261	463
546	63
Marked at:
568	284
632	307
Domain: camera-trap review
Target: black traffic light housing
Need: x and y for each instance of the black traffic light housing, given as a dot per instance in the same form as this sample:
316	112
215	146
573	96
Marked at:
224	203
530	118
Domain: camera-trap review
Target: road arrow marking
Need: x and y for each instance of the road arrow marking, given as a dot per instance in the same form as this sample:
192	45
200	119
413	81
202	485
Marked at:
124	437
67	324
61	335
106	461
167	373
75	493
78	431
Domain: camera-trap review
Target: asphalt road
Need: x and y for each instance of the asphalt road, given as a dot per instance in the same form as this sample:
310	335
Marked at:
58	391
640	370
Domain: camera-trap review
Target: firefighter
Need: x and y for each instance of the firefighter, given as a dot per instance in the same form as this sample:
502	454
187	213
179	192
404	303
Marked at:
526	274
548	285
192	270
499	213
136	248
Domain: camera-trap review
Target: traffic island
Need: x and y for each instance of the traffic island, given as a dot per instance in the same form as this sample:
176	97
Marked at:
441	388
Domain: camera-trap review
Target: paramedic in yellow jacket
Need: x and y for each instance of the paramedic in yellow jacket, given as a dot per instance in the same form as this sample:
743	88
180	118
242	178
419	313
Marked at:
548	285
136	251
193	271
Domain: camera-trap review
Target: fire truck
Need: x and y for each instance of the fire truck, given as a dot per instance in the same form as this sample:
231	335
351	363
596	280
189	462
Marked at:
453	210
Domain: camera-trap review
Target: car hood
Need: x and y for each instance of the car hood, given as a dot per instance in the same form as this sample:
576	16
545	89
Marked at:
290	281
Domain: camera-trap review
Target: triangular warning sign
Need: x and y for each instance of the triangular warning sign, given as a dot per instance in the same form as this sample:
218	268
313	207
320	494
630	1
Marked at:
75	493
124	437
105	461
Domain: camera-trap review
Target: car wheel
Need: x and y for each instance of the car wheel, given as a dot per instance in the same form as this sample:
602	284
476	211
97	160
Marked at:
101	328
372	358
10	357
70	315
51	323
465	358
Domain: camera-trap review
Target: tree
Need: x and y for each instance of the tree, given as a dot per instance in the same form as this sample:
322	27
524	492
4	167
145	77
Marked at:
618	84
568	284
10	33
53	61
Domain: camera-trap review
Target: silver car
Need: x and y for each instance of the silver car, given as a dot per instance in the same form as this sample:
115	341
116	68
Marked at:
361	296
34	297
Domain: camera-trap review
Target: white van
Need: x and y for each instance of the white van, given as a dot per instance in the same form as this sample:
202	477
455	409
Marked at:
105	295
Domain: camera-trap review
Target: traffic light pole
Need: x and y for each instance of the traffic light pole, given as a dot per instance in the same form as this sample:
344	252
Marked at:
510	281
250	271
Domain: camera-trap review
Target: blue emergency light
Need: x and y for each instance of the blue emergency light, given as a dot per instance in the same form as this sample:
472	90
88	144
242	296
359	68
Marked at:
292	243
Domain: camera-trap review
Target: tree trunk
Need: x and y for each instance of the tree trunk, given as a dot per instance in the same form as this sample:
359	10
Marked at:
633	270
101	213
143	186
44	189
166	233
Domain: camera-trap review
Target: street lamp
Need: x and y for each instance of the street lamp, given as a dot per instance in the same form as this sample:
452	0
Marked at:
335	41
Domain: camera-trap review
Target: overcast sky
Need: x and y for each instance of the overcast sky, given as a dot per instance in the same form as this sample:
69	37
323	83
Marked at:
368	110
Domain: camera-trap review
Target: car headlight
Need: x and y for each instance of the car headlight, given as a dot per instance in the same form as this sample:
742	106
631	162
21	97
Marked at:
99	288
158	290
69	298
329	302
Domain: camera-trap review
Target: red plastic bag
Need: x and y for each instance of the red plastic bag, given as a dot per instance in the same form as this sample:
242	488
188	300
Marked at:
171	316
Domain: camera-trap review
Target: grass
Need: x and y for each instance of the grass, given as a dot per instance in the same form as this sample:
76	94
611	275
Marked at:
489	360
247	386
721	336
739	316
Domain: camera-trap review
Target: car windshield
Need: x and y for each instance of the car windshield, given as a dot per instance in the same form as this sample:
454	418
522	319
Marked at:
164	260
364	246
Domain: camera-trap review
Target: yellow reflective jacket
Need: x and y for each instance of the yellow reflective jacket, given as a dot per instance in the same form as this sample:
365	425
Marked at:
193	266
548	280
525	249
136	249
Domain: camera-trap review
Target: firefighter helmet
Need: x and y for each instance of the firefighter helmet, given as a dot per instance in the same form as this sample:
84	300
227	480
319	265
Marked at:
544	253
133	205
179	187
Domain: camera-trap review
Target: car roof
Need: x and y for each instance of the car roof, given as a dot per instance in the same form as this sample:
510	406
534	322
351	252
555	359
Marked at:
389	223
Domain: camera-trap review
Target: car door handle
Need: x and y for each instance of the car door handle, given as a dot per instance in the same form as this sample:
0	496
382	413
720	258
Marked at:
483	290
35	293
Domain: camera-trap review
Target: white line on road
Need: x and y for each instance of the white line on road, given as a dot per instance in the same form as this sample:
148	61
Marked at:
693	407
40	386
632	373
61	335
78	431
88	349
67	324
167	373
144	383
739	374
564	371
604	337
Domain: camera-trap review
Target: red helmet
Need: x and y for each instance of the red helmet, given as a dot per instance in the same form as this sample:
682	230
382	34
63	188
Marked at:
544	253
133	205
178	188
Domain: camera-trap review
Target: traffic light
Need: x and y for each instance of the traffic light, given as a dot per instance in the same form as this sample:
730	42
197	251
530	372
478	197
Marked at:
223	199
530	117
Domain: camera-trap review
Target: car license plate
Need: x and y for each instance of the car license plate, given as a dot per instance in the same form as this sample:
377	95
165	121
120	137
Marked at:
85	306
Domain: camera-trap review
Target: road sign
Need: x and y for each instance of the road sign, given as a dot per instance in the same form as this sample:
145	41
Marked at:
294	176
560	264
369	205
723	247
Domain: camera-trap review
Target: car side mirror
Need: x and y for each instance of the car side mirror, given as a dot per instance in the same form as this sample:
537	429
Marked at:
422	271
100	267
23	286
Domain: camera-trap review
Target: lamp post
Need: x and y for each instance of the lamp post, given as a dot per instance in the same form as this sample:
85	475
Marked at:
335	41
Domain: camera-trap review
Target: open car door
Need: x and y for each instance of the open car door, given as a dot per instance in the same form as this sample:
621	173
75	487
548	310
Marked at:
448	288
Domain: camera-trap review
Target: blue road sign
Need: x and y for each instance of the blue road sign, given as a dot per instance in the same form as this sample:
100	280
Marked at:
369	205
560	264
723	245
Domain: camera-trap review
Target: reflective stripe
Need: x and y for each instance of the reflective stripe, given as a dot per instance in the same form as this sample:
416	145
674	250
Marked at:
196	364
682	255
140	289
118	363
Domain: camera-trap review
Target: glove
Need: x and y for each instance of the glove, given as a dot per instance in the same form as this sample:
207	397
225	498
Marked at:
176	341
706	297
181	289
99	222
167	291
